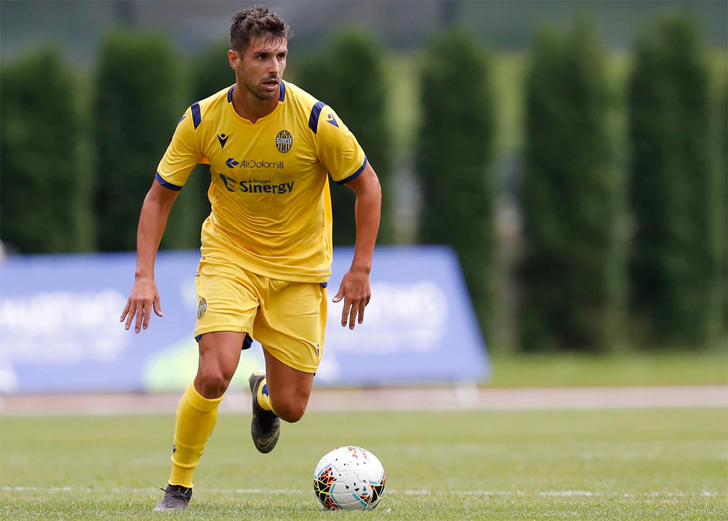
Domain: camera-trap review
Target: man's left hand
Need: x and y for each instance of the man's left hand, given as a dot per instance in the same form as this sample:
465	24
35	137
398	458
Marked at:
355	292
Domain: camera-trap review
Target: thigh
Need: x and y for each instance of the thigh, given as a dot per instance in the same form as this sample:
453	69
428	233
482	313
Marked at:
287	385
290	324
227	299
220	353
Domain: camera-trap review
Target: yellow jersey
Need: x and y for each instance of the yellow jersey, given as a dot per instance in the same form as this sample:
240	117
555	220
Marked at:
269	191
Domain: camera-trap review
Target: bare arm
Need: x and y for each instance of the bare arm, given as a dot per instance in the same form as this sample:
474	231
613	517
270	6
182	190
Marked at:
152	222
355	288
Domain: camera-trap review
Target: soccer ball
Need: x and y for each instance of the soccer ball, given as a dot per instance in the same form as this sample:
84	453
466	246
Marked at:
349	478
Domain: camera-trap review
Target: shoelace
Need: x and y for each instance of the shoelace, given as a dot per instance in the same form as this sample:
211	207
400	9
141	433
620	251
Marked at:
175	494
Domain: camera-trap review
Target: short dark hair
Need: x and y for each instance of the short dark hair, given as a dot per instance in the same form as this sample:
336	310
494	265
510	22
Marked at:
249	24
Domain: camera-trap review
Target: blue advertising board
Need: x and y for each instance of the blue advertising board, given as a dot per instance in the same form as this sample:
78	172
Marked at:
60	329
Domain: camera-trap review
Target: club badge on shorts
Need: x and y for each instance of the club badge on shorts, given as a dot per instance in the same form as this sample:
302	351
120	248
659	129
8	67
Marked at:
201	308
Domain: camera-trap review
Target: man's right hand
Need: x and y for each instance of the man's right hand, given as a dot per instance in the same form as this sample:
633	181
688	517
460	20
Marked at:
144	296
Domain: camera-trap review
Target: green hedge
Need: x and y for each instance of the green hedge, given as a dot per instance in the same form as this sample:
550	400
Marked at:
572	277
453	158
210	73
721	217
350	77
45	186
673	263
139	92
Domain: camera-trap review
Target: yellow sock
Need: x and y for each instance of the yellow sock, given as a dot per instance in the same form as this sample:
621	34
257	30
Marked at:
262	397
196	417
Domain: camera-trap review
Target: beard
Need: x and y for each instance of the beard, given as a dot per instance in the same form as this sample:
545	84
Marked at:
257	89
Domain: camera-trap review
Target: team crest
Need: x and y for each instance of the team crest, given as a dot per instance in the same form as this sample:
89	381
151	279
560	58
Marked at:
284	141
201	308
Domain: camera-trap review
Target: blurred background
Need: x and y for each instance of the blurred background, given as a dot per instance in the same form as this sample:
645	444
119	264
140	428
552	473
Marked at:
571	154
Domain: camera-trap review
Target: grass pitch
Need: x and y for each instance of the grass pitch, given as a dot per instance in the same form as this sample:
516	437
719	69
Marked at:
525	465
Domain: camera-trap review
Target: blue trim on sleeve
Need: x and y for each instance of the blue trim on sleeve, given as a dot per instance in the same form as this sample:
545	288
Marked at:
315	113
230	94
355	174
167	184
196	116
283	92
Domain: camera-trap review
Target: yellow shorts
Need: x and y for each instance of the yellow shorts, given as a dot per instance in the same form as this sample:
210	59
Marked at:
287	318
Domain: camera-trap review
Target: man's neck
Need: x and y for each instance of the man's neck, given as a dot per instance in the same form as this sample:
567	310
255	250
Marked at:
251	107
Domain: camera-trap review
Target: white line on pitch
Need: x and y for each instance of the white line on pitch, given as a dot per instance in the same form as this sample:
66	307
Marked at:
548	493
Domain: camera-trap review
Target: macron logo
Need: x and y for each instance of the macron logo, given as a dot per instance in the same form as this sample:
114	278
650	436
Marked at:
331	119
222	138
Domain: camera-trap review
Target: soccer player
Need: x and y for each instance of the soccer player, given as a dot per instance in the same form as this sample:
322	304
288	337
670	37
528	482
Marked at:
266	246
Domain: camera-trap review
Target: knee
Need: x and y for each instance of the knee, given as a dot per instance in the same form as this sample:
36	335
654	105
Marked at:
213	382
289	411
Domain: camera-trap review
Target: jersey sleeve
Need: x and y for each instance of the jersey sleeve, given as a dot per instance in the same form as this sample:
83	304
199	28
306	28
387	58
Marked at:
182	155
338	149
